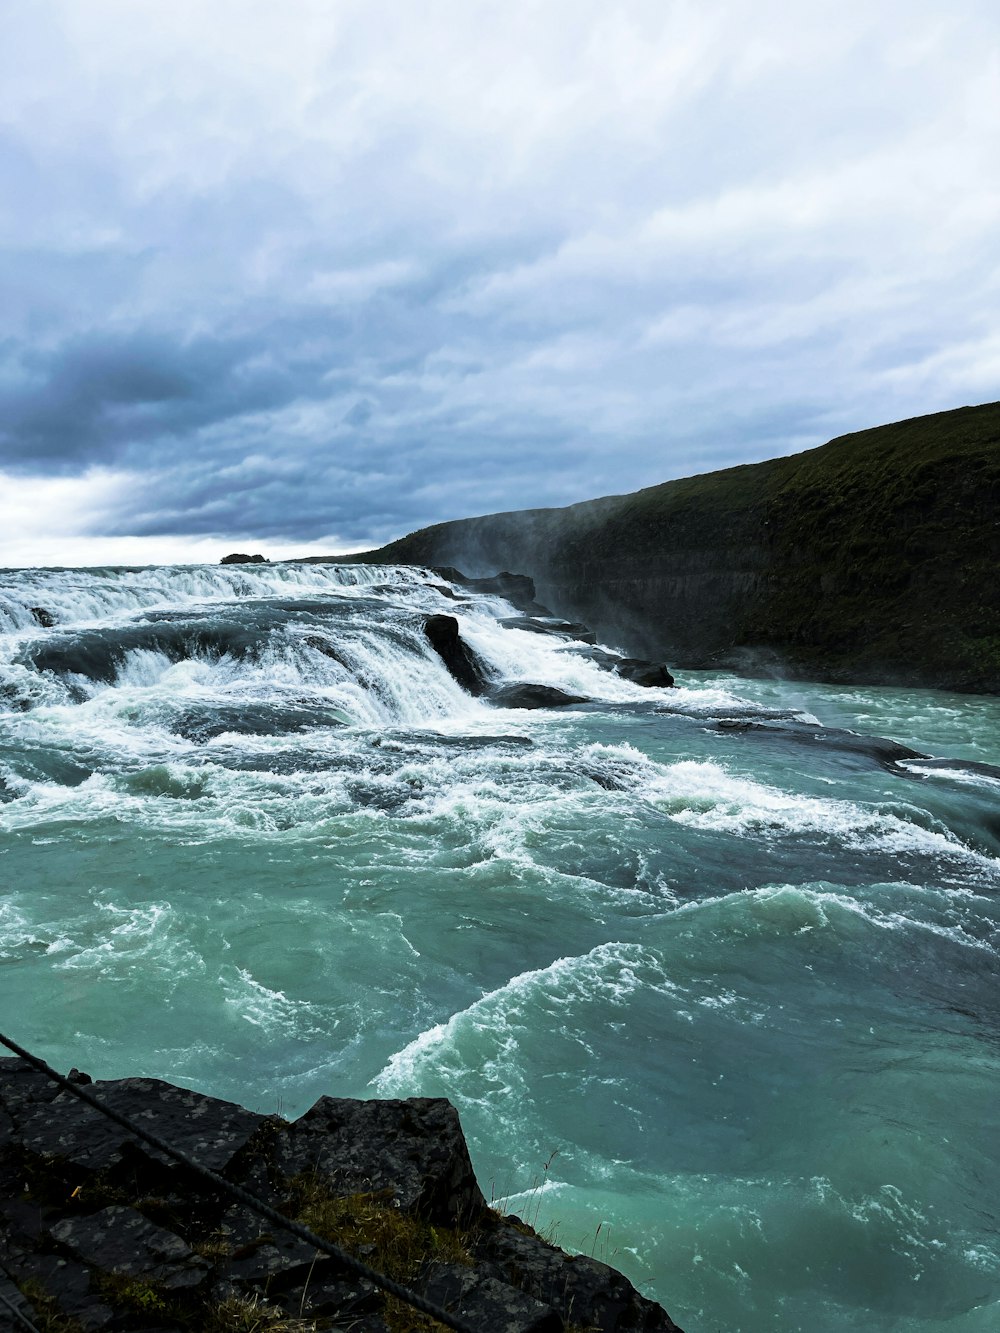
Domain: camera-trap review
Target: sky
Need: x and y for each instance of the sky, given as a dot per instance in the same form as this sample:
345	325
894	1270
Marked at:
302	277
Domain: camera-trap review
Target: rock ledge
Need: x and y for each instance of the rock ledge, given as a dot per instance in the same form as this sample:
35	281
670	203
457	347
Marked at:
99	1231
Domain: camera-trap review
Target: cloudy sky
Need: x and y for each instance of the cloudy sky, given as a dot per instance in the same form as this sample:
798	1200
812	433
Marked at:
303	276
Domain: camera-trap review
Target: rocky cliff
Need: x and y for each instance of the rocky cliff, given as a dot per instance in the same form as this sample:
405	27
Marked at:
871	558
99	1231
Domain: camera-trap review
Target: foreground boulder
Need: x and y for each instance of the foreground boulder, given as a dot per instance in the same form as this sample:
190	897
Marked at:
98	1229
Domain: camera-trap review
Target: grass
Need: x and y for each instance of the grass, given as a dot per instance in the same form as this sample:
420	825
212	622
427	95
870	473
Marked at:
370	1226
48	1318
252	1314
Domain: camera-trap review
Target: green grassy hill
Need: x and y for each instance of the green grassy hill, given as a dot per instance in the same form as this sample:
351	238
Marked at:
873	557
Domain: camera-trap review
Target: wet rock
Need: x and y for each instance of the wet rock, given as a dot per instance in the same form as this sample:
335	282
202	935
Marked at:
42	617
463	664
325	647
875	750
599	656
641	672
560	629
525	695
518	589
238	558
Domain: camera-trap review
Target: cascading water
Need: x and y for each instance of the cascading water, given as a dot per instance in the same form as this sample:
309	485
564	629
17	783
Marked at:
710	972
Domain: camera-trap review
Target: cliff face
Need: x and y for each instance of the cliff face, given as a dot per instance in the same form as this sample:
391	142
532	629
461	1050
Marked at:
872	558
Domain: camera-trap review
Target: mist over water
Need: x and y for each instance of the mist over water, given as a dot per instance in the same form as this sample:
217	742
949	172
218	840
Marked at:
710	972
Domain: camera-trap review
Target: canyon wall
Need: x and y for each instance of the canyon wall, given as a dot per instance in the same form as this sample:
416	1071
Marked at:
871	558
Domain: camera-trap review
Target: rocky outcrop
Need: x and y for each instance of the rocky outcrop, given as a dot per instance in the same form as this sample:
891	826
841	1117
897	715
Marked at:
518	589
99	1229
552	625
471	673
238	558
462	663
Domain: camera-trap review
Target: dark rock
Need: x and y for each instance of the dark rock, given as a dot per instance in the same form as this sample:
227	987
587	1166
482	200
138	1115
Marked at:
349	1298
584	1291
485	1302
120	1240
518	589
463	664
640	672
22	1087
44	618
29	1221
263	1255
238	558
525	695
326	648
209	1130
66	1283
560	629
599	656
414	1147
99	654
13	1304
877	750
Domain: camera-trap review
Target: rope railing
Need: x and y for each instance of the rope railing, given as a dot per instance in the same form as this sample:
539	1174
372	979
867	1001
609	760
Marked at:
349	1261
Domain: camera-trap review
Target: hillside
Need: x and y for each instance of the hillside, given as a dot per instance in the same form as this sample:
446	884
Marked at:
871	558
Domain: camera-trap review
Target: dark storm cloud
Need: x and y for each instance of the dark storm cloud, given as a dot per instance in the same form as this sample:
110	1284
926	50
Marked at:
86	400
315	273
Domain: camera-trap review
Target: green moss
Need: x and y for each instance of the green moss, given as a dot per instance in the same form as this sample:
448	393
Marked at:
131	1293
389	1240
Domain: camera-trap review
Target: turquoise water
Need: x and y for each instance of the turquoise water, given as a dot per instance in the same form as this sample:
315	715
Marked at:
710	974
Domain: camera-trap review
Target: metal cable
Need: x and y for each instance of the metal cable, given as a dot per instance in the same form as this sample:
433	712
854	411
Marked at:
18	1314
349	1261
